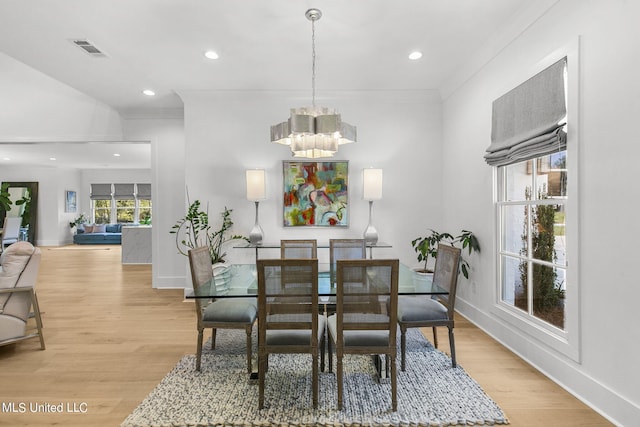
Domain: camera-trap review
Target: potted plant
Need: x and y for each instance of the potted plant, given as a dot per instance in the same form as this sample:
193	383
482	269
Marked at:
427	247
194	230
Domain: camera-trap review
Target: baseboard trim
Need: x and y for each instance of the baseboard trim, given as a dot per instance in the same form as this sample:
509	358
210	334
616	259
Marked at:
593	393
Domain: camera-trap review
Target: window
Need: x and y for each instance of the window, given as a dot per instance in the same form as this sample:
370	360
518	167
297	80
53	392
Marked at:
101	211
532	245
144	211
537	239
125	211
122	206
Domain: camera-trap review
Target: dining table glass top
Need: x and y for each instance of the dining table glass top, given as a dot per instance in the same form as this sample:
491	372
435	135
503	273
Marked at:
241	280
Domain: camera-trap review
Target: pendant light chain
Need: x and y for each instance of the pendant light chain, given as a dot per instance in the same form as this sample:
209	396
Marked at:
313	63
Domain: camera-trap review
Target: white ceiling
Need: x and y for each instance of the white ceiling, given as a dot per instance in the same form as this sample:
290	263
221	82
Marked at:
263	44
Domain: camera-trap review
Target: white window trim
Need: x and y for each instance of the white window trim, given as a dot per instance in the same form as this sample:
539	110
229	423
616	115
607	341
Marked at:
566	342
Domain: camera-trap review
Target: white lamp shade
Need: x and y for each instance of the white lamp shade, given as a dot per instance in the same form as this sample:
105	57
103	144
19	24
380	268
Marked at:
256	185
372	184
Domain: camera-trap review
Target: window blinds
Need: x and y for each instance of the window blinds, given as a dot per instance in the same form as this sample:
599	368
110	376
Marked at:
100	191
124	192
527	121
144	191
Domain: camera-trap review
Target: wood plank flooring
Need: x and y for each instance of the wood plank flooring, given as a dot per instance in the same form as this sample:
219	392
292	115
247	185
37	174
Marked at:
111	338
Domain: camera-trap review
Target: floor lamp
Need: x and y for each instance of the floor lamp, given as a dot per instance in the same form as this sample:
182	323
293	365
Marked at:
256	191
371	190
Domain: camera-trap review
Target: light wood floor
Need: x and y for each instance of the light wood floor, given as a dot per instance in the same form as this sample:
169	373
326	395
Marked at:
111	338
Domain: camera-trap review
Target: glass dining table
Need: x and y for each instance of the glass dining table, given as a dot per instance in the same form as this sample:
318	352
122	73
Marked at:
241	280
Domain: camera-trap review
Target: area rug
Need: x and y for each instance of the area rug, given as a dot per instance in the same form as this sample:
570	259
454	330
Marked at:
430	392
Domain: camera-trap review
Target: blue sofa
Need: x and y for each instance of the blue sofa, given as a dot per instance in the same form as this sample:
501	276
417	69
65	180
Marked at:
111	236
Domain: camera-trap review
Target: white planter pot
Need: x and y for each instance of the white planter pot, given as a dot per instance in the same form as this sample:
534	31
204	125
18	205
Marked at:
421	279
222	277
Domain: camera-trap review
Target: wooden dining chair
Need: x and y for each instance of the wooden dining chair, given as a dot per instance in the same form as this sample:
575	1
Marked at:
233	313
365	322
288	315
421	311
345	249
299	248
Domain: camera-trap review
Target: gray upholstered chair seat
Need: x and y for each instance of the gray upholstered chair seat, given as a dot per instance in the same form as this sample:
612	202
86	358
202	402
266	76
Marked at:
358	338
294	336
420	309
231	310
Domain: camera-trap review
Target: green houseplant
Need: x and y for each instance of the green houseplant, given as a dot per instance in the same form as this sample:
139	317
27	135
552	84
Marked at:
427	247
194	230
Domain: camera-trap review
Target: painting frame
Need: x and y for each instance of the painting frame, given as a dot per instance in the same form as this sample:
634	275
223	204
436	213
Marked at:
315	193
70	201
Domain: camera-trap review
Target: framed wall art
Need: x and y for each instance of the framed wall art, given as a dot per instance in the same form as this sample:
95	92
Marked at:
70	201
315	194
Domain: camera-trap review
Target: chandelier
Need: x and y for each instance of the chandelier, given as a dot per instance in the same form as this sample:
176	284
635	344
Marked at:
313	132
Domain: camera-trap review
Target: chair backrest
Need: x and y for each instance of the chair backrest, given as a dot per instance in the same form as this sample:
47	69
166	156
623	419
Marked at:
201	274
445	274
299	249
345	249
11	229
367	296
21	262
288	297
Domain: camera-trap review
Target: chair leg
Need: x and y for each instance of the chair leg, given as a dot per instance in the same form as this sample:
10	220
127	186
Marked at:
36	314
213	338
394	382
249	349
262	372
322	345
339	377
403	347
435	337
199	348
452	346
314	380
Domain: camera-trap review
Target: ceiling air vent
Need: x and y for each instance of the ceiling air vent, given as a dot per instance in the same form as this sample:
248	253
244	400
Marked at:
89	48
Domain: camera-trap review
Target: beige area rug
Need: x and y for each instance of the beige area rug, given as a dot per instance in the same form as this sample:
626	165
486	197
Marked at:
430	392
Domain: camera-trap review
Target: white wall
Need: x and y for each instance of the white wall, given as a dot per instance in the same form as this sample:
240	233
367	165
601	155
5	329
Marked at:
400	132
56	112
609	106
167	192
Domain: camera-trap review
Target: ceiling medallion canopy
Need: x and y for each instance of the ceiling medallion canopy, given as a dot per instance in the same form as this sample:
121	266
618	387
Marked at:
313	132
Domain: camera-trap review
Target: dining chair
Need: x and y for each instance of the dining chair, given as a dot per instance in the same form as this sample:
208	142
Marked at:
299	248
235	313
10	231
345	249
365	321
438	310
289	320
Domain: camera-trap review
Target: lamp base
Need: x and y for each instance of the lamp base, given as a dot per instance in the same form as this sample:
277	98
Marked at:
255	237
370	235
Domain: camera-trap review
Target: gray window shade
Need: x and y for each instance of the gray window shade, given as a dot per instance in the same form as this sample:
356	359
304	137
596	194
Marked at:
124	192
526	121
144	191
100	191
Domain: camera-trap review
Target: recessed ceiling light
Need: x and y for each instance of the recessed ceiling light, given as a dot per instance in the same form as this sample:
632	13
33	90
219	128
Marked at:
211	55
6	158
116	155
52	158
148	92
415	55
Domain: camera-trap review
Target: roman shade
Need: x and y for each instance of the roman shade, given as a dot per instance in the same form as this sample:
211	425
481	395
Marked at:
528	121
124	192
144	191
100	191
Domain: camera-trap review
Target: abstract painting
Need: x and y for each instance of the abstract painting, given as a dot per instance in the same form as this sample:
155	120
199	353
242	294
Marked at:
316	194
